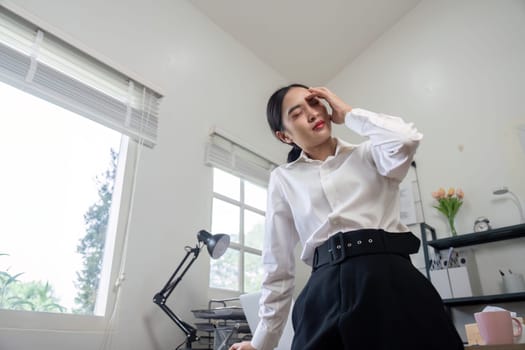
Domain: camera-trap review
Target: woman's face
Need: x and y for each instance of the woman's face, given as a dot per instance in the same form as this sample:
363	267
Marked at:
305	120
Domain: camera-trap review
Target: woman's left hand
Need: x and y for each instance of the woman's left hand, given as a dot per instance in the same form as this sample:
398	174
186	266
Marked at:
245	345
339	107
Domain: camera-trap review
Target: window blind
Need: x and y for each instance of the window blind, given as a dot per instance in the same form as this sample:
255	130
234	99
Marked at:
38	62
225	154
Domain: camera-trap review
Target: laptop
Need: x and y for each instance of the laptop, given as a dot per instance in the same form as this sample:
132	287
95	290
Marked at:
250	305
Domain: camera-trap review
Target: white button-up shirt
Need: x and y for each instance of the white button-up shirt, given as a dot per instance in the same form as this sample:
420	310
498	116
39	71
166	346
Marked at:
310	200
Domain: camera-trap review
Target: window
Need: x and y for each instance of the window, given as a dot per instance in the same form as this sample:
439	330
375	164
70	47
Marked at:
66	122
240	180
238	210
56	194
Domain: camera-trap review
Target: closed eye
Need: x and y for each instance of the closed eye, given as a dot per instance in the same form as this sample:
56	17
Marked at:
296	113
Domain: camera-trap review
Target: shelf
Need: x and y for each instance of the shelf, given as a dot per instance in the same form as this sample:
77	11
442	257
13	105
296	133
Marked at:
470	239
498	234
485	299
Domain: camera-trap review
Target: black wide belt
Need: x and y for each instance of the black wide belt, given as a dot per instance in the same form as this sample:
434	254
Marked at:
345	245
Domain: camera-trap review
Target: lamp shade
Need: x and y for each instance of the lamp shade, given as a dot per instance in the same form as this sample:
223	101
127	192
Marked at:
504	190
500	190
216	244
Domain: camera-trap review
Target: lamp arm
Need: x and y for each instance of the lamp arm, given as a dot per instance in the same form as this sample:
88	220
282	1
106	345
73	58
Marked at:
161	297
189	331
518	204
173	282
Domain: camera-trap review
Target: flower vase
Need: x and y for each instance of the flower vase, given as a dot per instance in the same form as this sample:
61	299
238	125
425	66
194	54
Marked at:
452	227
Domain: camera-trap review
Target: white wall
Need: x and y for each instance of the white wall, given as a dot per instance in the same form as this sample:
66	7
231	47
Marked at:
208	79
455	69
452	67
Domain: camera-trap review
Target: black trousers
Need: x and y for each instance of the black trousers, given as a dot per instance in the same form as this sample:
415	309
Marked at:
375	301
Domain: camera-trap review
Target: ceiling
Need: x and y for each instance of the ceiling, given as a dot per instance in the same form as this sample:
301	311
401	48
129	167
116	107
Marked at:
304	40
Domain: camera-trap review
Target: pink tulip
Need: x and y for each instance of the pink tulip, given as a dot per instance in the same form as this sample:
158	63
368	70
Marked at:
435	195
460	193
450	192
441	193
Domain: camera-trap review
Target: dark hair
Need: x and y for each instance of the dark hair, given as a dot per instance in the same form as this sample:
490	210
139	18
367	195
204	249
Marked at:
274	110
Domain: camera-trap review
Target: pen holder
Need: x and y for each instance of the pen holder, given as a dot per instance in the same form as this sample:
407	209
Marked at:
441	282
513	283
455	282
463	282
460	280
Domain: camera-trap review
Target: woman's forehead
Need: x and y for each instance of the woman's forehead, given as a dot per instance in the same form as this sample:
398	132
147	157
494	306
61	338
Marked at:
294	96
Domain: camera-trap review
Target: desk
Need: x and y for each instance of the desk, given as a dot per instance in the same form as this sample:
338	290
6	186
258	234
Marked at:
496	347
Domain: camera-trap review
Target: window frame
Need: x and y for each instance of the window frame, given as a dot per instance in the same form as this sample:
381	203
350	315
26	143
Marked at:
129	155
238	246
21	319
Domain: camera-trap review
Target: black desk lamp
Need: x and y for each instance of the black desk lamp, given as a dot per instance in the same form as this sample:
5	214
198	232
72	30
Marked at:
217	245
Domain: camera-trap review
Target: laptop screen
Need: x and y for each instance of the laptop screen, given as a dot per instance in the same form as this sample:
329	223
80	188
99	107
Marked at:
250	305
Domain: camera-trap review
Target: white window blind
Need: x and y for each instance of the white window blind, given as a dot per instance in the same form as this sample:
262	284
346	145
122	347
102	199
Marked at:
225	154
43	65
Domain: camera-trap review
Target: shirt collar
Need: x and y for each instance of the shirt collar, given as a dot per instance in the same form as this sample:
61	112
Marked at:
341	147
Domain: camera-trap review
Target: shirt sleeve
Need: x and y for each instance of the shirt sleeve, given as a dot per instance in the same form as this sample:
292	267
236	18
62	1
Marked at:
393	141
279	268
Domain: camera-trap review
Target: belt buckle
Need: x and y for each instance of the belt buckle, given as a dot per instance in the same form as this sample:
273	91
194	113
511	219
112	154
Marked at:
337	248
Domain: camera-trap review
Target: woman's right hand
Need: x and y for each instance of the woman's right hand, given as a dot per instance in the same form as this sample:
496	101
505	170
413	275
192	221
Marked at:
339	107
245	345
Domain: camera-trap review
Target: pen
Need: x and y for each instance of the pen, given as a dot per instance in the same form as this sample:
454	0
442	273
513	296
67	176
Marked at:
449	256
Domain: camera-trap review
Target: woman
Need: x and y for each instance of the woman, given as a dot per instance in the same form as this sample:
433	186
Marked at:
341	201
